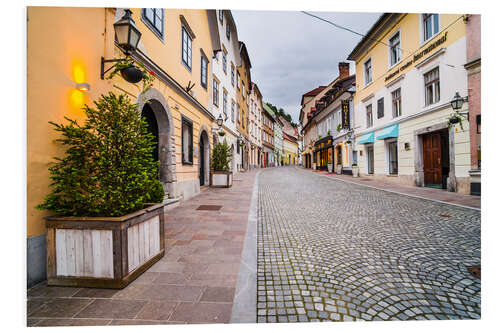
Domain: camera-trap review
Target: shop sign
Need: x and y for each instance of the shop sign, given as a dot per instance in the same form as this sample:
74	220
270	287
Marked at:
418	56
345	114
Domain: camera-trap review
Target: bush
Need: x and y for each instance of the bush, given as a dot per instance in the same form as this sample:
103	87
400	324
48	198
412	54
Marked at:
221	157
108	168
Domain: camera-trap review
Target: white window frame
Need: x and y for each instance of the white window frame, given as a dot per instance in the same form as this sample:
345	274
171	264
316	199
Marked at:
188	63
400	103
366	113
422	27
371	71
389	47
434	102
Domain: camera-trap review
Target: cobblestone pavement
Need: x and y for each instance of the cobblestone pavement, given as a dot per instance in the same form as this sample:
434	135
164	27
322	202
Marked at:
334	251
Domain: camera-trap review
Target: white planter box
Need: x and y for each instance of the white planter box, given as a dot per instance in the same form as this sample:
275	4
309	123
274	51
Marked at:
221	179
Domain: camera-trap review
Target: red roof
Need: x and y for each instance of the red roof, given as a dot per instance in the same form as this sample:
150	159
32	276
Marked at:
315	91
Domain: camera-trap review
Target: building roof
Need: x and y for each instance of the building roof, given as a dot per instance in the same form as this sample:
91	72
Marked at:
371	36
312	93
268	110
289	137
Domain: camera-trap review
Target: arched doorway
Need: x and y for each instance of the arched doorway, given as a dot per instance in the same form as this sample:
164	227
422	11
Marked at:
203	159
154	109
148	115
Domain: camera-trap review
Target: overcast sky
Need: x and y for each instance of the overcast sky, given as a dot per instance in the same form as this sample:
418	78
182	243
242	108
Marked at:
292	53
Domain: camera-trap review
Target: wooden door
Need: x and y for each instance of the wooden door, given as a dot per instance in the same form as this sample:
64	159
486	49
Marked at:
432	160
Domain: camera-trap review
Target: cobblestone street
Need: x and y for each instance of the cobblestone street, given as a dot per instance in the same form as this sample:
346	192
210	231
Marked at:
346	252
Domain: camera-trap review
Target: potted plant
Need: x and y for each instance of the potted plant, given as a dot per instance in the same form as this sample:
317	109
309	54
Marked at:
220	174
355	170
109	202
456	118
133	72
328	133
339	167
339	128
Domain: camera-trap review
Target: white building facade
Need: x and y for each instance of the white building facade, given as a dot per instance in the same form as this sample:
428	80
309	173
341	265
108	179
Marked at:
224	87
402	103
255	127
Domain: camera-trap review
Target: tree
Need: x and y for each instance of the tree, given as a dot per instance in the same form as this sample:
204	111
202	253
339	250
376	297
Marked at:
108	168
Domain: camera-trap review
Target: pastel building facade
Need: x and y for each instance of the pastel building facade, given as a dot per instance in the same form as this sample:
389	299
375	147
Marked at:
255	126
404	87
224	97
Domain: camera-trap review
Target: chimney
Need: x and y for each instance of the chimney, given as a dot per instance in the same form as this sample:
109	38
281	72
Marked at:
343	70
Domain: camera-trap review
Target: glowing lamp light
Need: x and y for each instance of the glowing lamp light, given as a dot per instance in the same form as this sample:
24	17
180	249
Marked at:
83	86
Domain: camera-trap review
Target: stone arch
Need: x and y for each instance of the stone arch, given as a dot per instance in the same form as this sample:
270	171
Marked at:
203	135
166	140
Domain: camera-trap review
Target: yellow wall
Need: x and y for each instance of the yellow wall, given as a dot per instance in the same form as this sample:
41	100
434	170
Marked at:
410	44
242	99
290	148
65	46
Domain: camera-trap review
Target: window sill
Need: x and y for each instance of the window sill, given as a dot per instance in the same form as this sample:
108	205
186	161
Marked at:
187	163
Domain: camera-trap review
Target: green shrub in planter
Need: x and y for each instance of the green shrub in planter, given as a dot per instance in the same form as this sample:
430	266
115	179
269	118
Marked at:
108	168
221	157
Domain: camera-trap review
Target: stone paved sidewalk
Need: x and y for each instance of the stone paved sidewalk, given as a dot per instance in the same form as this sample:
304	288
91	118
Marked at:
423	192
194	282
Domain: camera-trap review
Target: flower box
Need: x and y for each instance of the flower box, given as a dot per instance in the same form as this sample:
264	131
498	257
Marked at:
104	252
221	179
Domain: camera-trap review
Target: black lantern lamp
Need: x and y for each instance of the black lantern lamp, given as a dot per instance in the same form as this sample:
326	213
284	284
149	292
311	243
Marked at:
126	32
457	102
220	121
127	36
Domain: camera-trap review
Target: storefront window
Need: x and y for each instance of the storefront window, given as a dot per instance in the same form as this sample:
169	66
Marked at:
393	157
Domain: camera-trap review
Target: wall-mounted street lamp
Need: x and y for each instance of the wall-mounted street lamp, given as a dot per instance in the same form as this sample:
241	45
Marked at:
457	102
127	35
83	86
220	121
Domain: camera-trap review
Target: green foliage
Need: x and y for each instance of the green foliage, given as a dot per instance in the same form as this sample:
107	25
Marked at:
221	157
108	168
339	127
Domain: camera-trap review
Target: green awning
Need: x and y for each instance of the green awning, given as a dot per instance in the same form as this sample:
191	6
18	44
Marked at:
389	132
367	138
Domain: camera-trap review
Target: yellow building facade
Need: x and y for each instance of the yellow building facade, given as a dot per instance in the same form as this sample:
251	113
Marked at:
408	68
244	89
290	150
65	47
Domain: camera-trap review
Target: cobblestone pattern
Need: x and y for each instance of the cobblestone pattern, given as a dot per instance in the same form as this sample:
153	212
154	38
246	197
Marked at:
345	252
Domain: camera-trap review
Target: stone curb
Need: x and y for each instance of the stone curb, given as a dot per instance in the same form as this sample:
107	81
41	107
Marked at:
245	298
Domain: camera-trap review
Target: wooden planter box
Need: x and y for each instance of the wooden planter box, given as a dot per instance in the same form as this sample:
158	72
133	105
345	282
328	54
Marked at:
103	252
221	179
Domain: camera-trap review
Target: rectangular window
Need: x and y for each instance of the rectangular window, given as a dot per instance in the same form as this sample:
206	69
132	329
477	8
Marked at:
187	141
221	16
215	90
228	31
232	74
393	157
224	62
380	108
432	91
204	71
430	24
187	48
238	80
369	116
232	111
224	103
395	49
368	71
238	113
243	90
396	103
154	19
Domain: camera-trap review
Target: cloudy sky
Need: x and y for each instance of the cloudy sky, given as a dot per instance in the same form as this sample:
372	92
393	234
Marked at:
292	53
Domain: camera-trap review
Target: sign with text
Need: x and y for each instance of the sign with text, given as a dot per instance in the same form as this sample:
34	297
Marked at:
345	114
